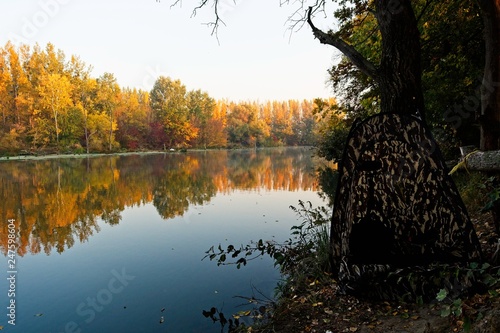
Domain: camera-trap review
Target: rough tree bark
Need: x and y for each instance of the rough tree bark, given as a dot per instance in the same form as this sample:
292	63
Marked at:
399	73
484	161
490	89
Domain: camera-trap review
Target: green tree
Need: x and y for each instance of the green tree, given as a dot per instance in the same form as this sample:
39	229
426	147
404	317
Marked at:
332	129
452	54
452	49
169	106
244	126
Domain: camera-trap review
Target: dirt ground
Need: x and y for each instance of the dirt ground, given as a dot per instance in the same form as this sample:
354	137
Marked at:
320	308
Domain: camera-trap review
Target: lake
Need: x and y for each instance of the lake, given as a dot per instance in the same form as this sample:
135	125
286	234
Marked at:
115	243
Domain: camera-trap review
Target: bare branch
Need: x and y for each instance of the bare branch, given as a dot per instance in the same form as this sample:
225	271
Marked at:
299	17
176	2
215	24
349	51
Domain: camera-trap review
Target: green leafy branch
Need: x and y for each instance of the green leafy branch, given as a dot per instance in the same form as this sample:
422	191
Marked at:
484	274
232	255
309	241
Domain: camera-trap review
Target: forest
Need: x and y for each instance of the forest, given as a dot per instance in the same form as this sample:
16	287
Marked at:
51	104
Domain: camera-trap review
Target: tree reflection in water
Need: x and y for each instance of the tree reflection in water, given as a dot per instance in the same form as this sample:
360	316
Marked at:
57	201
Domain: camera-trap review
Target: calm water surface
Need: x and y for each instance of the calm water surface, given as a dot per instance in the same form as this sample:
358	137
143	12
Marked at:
104	244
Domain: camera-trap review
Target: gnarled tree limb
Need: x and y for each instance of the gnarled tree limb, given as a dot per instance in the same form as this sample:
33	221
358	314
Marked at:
349	51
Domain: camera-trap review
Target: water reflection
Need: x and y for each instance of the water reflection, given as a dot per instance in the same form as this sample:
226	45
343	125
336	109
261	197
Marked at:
57	202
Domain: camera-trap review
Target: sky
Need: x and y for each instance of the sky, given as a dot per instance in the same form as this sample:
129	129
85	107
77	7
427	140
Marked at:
253	57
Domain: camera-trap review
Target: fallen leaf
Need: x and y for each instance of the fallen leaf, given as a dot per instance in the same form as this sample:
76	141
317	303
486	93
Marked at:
314	283
243	313
353	329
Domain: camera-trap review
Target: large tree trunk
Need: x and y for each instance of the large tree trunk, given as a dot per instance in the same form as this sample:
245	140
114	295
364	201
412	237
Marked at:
490	90
399	73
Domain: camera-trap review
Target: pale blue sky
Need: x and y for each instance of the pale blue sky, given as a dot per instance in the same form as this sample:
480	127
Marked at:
138	40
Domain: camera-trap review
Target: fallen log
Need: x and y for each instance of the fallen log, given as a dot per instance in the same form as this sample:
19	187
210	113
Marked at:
483	160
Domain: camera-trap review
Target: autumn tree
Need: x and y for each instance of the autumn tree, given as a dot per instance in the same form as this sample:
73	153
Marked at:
84	94
20	89
108	92
382	46
132	115
281	122
5	83
48	101
8	132
303	124
216	126
244	126
201	108
55	97
170	111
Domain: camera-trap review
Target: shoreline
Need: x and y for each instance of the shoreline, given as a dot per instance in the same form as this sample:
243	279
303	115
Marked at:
28	157
56	156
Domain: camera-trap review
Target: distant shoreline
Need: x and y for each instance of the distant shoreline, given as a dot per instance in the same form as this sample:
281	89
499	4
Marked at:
147	152
55	156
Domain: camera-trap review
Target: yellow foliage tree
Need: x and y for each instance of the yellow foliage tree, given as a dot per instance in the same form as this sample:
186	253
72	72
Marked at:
55	97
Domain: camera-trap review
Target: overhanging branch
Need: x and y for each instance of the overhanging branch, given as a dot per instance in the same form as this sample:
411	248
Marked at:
349	51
